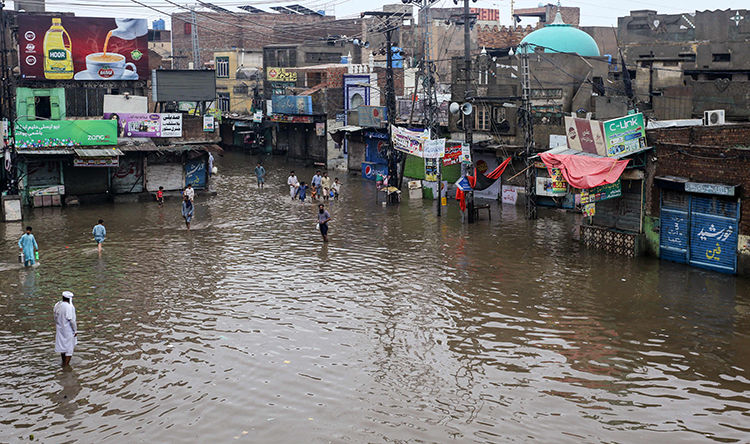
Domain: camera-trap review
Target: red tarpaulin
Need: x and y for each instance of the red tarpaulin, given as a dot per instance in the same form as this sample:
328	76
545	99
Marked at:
585	172
481	182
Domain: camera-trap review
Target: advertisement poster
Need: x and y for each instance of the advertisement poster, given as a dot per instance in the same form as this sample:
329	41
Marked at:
559	184
209	123
625	134
430	169
452	153
372	116
465	153
589	210
147	125
82	48
603	192
408	141
320	129
70	133
292	105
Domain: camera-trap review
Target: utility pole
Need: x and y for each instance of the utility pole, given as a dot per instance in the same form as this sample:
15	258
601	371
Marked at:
468	122
194	36
7	109
528	125
394	157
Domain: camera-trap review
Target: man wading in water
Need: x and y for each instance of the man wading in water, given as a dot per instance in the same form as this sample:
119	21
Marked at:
66	336
323	219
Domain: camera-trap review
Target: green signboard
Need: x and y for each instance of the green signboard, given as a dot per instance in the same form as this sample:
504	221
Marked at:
65	133
600	193
625	134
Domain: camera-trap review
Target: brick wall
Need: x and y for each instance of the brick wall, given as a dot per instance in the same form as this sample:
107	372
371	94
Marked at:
503	36
708	154
222	32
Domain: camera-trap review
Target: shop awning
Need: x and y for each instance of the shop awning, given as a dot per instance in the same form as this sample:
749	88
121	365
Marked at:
584	170
337	134
47	152
98	152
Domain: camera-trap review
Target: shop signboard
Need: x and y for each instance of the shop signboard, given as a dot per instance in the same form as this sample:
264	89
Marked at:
283	118
280	75
372	116
147	125
209	123
82	48
625	134
372	170
604	192
195	172
65	133
589	209
103	162
300	105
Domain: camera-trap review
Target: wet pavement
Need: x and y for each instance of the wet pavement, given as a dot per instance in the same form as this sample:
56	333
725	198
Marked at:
404	328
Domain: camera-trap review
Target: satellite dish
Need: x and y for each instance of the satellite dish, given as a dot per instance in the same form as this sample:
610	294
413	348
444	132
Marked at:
454	108
466	108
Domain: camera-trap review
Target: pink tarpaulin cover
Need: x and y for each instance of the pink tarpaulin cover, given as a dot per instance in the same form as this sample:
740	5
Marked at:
585	171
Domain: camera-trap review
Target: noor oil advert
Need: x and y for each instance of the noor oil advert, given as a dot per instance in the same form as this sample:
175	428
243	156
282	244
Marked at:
82	48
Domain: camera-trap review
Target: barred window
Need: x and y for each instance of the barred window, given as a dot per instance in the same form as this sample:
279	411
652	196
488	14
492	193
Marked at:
222	67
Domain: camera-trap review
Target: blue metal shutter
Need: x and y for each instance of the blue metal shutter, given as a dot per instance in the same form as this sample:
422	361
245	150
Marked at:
713	233
675	226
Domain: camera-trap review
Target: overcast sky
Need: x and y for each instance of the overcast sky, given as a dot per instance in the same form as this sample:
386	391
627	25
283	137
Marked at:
593	12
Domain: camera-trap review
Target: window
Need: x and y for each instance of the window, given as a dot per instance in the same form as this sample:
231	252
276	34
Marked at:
688	57
722	57
188	28
482	118
315	78
222	67
484	76
222	102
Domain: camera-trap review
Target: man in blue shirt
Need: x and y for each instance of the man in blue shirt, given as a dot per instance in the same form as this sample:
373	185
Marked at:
99	233
260	174
28	244
315	184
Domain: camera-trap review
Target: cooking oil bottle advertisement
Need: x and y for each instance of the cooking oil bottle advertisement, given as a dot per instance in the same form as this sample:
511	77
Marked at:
82	48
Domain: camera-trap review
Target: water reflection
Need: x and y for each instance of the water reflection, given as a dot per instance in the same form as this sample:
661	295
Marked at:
404	328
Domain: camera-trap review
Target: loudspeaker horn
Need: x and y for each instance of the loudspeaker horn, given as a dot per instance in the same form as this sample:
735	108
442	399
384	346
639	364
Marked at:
466	108
454	108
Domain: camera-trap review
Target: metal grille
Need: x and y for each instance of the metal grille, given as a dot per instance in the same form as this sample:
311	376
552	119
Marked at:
85	102
617	242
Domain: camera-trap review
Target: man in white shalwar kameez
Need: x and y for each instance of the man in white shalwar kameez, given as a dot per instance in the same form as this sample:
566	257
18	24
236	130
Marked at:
67	331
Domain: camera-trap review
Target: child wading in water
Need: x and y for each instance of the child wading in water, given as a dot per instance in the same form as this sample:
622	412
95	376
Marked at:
160	196
302	191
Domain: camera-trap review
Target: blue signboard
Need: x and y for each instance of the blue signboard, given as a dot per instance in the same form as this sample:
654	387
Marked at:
375	150
299	105
372	170
195	172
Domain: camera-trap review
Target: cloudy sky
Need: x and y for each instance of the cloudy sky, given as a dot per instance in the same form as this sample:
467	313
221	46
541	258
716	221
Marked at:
593	12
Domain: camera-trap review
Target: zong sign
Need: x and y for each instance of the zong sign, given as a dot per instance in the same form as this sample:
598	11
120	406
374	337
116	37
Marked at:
65	133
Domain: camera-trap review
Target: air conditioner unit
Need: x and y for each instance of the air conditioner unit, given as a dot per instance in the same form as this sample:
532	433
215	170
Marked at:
713	117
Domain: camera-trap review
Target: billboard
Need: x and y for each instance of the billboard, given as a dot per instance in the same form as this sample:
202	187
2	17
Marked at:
183	85
409	141
292	105
280	75
372	116
82	48
147	125
625	134
65	133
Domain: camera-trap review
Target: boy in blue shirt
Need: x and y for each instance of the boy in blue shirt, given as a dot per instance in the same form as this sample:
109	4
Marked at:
302	191
28	244
99	233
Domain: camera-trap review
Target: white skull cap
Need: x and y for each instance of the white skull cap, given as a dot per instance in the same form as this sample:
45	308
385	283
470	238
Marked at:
67	294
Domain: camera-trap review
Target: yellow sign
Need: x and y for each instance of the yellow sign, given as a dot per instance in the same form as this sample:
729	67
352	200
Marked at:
280	75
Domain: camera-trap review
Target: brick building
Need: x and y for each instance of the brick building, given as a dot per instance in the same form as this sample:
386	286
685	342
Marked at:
695	182
224	31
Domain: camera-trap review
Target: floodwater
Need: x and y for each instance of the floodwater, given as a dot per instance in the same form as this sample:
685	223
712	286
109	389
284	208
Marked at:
404	328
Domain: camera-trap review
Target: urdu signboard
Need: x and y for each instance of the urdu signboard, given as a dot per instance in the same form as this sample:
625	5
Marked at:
280	75
147	125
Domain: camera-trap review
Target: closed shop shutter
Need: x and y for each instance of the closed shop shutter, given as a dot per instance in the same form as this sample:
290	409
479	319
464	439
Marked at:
43	173
128	176
167	175
713	233
675	226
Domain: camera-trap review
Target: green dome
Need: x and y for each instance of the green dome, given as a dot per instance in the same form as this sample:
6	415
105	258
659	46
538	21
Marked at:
559	37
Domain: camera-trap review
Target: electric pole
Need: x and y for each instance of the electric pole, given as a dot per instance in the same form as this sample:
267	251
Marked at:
194	36
468	122
527	122
7	108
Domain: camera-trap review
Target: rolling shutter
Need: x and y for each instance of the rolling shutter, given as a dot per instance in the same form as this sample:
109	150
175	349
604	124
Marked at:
713	233
675	226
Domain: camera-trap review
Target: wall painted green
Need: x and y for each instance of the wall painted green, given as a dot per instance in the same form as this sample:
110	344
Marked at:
415	169
26	99
651	229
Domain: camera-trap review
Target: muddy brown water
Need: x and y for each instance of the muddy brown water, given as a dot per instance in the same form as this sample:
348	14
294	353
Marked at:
404	328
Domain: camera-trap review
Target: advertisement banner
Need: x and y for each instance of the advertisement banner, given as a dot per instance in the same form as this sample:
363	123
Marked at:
82	48
320	129
292	105
283	118
66	133
452	153
195	172
209	124
408	141
559	184
585	135
604	192
625	134
280	75
434	149
147	125
589	210
430	169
